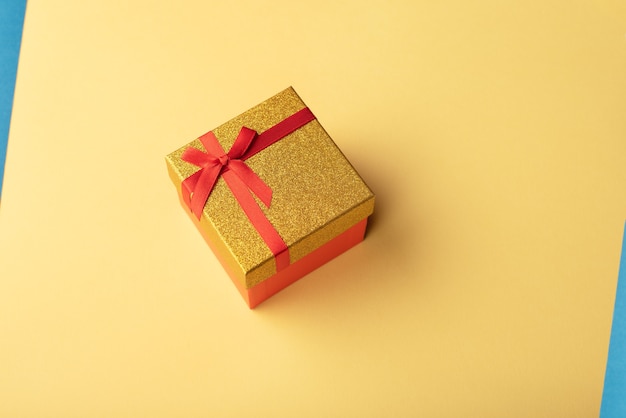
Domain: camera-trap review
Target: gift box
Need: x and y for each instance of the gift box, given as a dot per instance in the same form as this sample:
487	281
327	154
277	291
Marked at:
272	195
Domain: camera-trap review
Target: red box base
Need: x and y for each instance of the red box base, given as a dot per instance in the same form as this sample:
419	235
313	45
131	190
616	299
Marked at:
274	284
305	265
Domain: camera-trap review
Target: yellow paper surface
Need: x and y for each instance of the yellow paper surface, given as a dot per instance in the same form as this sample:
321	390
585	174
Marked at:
491	132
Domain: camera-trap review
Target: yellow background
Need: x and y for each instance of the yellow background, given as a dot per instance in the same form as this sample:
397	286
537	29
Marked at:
492	132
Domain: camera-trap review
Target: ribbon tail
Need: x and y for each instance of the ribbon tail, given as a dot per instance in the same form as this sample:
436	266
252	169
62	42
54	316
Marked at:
252	181
188	186
258	219
204	186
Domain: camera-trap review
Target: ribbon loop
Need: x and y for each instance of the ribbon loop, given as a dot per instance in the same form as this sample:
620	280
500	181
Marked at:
242	143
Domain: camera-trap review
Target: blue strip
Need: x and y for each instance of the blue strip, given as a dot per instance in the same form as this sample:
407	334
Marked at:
11	24
614	395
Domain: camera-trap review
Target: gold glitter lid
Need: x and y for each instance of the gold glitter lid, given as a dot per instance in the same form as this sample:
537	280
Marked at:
317	194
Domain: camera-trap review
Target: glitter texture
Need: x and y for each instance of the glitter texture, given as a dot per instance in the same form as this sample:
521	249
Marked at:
317	194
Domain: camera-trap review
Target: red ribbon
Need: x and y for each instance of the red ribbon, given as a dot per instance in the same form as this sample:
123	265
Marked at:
242	181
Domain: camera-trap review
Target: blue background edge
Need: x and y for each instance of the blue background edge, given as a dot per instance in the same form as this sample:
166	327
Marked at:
11	26
614	393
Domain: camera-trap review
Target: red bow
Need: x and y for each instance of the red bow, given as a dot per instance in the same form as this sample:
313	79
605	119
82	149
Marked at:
239	177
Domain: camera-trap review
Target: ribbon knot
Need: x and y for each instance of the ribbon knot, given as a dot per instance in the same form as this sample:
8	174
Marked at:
223	160
243	182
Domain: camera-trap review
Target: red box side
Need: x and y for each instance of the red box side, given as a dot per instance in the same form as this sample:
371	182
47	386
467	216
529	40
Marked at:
274	284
